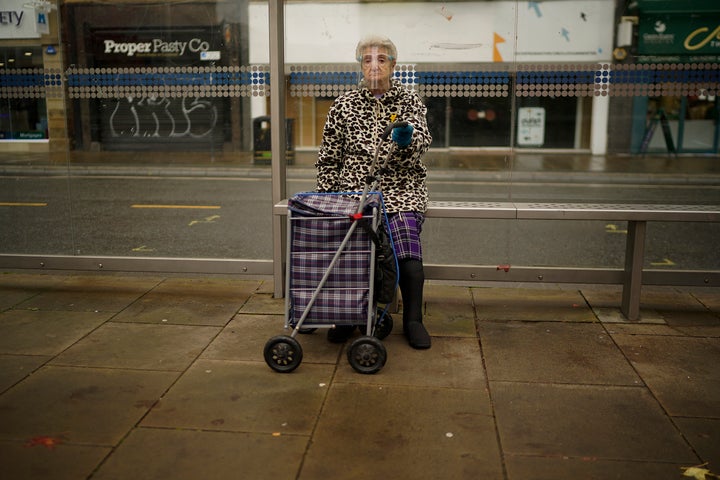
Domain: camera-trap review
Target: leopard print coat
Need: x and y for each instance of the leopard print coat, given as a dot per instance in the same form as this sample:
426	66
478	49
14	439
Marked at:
354	124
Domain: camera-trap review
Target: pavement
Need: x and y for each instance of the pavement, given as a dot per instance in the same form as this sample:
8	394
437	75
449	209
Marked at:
443	164
146	376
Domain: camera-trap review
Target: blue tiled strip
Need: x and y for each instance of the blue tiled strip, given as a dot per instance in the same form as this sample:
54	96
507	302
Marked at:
324	78
462	78
626	80
166	79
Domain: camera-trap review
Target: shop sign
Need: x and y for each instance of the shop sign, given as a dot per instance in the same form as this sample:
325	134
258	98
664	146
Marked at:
686	35
24	18
114	46
156	47
42	24
31	135
16	21
26	135
531	126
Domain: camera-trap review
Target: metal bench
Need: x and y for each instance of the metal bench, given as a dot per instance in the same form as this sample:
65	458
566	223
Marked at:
631	277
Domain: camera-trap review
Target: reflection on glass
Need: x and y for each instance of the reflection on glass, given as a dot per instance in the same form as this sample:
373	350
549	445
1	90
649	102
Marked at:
166	104
22	117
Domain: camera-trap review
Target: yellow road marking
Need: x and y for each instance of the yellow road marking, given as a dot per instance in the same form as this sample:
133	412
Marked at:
195	207
612	228
22	204
666	262
143	248
209	219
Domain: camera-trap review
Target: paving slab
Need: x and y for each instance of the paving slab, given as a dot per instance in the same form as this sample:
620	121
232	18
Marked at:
93	293
9	297
690	318
12	296
588	468
266	287
448	312
195	301
30	281
245	337
580	421
602	296
550	305
244	397
681	371
14	368
151	454
450	363
551	352
709	331
87	406
34	332
671	299
615	315
264	303
657	305
389	431
641	328
651	296
36	459
142	346
704	436
16	288
548	381
711	299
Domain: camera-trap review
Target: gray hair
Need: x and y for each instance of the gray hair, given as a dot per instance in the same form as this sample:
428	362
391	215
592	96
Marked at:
376	41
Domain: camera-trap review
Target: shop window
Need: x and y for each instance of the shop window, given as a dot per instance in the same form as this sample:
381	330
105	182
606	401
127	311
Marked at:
480	121
23	115
158	76
691	121
556	122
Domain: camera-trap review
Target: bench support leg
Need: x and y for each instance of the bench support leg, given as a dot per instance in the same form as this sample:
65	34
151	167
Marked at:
632	282
279	245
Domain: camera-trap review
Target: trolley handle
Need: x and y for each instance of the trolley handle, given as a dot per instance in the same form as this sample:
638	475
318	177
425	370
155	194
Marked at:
371	181
390	128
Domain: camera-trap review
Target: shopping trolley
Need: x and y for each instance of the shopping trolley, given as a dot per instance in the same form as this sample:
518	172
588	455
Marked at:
330	272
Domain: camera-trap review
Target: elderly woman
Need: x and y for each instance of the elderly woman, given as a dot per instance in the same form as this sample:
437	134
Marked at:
354	123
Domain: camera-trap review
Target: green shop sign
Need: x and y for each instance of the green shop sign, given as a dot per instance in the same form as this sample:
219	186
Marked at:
690	35
677	6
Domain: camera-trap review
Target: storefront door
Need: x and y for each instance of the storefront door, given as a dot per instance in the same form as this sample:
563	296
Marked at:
691	125
699	130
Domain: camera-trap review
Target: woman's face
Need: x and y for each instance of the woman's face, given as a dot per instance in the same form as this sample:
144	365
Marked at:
377	66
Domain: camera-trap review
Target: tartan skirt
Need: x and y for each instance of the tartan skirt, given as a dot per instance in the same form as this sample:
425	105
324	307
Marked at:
405	228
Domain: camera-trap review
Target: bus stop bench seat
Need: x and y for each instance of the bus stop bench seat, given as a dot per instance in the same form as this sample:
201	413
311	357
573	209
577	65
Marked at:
631	276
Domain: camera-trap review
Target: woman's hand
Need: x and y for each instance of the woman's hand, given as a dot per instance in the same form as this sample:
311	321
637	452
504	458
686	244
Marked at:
402	135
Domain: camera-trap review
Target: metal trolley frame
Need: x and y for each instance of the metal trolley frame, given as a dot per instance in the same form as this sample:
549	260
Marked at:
330	272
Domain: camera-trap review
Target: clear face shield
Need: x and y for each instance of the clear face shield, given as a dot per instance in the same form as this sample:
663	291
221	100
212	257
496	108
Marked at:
377	68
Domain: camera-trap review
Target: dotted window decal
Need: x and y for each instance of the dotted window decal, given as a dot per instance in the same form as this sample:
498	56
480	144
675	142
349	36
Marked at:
331	80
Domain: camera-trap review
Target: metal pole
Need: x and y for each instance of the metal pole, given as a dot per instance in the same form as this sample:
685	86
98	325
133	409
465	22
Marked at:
278	134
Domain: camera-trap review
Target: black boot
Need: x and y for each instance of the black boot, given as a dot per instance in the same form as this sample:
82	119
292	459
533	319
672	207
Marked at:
412	279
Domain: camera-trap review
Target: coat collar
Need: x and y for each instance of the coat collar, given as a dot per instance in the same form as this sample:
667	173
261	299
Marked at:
394	91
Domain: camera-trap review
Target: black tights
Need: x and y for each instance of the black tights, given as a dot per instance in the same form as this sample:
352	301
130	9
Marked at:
412	279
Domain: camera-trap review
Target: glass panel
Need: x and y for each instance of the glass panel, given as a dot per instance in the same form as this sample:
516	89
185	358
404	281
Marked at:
23	115
165	89
539	102
142	128
152	154
701	123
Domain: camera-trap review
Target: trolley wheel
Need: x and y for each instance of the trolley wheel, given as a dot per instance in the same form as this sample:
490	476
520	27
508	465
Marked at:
307	331
283	353
384	326
367	354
